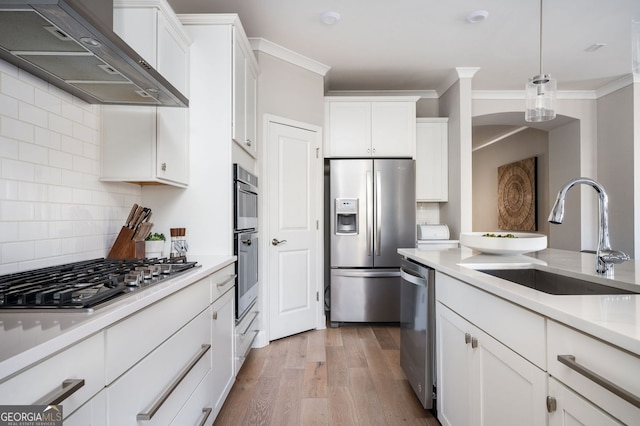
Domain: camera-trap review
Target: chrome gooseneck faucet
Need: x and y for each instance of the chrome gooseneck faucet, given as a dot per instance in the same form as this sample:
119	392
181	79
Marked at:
606	257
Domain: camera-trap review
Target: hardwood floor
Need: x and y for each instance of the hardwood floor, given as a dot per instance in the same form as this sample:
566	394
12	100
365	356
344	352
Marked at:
338	376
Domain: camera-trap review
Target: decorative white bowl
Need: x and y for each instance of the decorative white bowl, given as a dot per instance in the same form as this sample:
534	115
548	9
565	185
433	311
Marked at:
522	243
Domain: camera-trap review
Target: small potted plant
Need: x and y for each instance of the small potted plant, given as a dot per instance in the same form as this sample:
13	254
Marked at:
154	244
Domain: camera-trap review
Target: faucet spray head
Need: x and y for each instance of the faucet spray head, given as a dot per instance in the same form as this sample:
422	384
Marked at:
557	212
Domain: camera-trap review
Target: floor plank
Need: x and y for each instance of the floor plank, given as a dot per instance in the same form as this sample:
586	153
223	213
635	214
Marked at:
349	375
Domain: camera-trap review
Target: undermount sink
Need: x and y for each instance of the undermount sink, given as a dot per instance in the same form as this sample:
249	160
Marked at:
551	283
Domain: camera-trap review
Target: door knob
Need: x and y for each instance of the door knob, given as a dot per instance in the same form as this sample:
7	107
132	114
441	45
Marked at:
277	242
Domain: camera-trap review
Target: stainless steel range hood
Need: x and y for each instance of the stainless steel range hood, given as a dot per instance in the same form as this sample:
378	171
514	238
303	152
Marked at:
71	44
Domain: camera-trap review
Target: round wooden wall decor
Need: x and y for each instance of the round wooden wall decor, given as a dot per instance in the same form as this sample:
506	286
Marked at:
517	196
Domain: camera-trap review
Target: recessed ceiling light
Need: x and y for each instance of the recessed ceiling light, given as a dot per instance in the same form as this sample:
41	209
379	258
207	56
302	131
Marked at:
330	18
594	47
477	17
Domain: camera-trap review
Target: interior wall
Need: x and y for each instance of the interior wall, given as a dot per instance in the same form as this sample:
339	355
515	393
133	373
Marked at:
616	164
520	146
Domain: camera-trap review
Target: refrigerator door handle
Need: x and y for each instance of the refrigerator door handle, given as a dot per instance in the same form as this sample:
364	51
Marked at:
369	211
367	274
378	212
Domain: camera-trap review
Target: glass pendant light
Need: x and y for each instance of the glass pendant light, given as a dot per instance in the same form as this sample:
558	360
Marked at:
540	92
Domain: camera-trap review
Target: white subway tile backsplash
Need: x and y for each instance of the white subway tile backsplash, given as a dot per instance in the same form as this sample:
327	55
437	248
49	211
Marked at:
29	231
47	101
61	160
18	251
47	138
18	170
16	129
29	191
8	148
12	86
53	207
29	113
61	125
8	106
31	153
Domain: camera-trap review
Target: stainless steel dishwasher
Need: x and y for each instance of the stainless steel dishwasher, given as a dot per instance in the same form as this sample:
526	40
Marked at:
417	329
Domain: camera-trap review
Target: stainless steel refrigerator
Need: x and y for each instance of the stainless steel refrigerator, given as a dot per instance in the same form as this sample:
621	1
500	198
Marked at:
372	214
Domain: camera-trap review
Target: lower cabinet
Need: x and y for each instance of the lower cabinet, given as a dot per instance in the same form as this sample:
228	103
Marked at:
156	388
481	381
93	413
222	329
569	409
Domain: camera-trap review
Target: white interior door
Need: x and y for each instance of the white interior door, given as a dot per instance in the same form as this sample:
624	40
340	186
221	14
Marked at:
293	228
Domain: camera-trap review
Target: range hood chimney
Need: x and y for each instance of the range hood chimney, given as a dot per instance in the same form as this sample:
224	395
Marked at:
71	44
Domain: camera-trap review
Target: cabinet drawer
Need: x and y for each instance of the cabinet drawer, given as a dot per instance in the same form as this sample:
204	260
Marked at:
84	360
197	410
515	327
92	413
186	354
610	363
131	339
222	281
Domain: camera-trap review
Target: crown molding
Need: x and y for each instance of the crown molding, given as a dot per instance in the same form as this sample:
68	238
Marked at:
420	94
270	48
618	84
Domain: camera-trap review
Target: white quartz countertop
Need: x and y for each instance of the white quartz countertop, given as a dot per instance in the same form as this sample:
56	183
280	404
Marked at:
611	318
27	337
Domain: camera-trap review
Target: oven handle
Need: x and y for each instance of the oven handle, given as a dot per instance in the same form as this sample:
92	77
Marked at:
55	397
167	393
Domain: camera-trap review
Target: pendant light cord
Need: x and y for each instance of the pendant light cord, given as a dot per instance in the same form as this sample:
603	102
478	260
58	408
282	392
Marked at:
540	38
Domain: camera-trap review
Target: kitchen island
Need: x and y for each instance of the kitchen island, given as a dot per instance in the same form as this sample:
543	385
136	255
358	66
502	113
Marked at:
507	345
116	349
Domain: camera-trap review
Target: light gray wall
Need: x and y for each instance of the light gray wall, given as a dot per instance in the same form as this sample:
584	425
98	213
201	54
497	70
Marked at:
526	144
616	164
289	91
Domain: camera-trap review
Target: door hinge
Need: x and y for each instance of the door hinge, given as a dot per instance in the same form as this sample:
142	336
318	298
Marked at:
317	296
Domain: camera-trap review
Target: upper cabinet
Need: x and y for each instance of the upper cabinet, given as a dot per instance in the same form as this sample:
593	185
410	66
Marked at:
432	158
370	126
149	144
245	71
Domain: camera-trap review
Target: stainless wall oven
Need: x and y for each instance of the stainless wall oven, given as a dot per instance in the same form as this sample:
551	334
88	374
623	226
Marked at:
245	239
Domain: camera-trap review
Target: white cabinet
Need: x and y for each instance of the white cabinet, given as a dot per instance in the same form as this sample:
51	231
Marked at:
370	126
432	171
244	94
570	409
579	361
481	381
490	371
222	336
78	370
149	144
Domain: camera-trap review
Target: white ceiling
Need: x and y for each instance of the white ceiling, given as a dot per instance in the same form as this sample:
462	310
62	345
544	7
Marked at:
415	45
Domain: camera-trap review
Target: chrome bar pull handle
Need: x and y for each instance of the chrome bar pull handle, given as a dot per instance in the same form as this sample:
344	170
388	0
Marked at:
167	393
207	412
570	361
378	242
369	211
227	281
55	397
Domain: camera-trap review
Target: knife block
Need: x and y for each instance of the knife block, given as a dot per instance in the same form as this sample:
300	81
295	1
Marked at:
126	248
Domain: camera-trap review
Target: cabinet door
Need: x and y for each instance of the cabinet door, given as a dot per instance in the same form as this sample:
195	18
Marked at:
393	129
239	76
572	410
432	178
172	148
251	138
453	364
222	334
509	389
173	56
349	133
